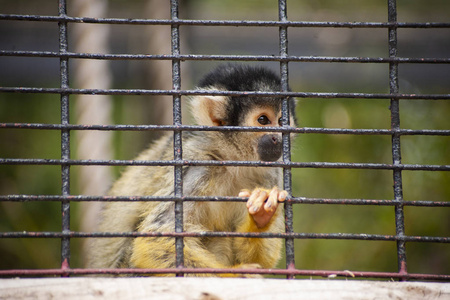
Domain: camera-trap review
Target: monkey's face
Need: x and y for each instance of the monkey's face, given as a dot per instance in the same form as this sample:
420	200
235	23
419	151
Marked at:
267	146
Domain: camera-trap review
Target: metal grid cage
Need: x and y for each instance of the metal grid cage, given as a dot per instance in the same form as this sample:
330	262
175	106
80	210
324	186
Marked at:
65	92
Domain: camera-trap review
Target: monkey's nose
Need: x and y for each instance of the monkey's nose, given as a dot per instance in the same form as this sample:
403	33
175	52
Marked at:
269	147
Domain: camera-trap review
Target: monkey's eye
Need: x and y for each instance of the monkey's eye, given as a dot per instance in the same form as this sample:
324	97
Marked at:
280	122
263	120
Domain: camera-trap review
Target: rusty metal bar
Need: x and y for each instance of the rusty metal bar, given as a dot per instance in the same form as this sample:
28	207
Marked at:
65	139
296	272
142	92
396	149
298	130
199	57
177	141
284	235
287	176
243	23
293	200
279	164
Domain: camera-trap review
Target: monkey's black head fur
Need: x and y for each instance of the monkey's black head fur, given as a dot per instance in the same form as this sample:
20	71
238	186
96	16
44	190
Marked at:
234	77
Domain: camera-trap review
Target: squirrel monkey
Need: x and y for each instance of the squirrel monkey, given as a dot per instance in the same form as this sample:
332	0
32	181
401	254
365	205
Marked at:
261	212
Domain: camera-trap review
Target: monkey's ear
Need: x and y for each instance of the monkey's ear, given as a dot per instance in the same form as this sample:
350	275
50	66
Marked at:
209	110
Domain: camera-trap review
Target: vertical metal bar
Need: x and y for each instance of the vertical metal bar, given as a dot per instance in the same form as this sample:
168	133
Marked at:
287	177
395	124
65	137
177	141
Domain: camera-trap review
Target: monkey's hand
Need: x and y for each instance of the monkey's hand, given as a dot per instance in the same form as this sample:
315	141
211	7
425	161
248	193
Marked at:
263	203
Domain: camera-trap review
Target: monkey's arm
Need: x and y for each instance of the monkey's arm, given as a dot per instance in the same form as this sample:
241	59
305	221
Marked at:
263	216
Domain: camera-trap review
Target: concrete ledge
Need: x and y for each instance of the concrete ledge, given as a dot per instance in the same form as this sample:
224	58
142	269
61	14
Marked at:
216	288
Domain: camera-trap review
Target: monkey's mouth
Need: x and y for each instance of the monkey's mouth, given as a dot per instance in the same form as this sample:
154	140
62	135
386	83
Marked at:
270	147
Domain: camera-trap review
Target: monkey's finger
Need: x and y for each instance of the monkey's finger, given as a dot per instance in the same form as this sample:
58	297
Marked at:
257	200
282	196
244	193
272	203
252	196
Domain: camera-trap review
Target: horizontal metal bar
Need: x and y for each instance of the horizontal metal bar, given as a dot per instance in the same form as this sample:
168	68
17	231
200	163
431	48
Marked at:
306	200
284	235
299	130
295	272
38	90
246	23
195	57
323	165
294	200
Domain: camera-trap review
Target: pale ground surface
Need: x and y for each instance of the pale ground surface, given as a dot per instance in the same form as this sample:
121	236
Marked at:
216	288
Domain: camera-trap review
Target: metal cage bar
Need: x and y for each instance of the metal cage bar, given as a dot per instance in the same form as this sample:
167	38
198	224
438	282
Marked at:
38	90
298	130
201	57
41	18
65	138
295	272
396	150
293	235
177	142
287	176
66	234
294	200
329	165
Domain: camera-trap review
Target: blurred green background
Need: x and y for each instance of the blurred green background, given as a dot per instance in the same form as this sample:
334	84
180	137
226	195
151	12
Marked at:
304	77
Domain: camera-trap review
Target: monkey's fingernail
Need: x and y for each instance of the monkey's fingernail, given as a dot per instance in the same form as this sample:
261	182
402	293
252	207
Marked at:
243	194
282	196
255	209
